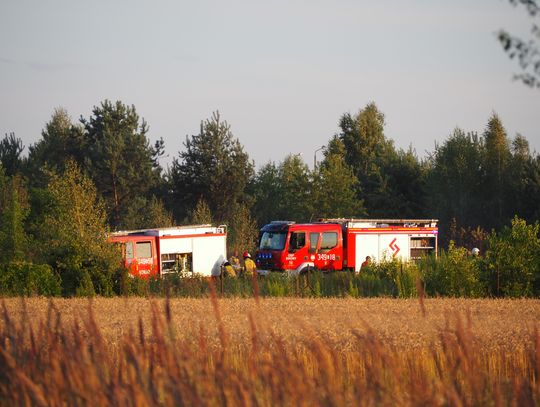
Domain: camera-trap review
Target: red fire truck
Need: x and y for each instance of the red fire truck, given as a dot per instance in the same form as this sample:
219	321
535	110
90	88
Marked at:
343	244
197	249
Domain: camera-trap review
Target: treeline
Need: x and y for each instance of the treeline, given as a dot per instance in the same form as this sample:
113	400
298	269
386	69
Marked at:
86	177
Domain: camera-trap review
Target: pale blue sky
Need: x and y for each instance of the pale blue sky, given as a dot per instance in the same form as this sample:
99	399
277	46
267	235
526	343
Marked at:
281	73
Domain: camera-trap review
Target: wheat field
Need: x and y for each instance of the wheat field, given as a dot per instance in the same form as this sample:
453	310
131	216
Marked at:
269	351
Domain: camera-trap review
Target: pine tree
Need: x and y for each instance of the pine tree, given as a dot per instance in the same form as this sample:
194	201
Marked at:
496	162
201	214
405	195
119	158
143	213
266	190
13	212
242	230
369	153
213	167
61	141
295	201
11	148
335	186
455	179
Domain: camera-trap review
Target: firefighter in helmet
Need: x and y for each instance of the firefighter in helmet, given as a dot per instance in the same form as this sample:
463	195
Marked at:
249	265
227	270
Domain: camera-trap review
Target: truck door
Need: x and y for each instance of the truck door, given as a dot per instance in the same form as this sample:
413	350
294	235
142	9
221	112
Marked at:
329	254
144	257
297	252
314	238
129	255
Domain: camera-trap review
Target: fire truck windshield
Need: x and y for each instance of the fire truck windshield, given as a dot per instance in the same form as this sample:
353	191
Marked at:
273	240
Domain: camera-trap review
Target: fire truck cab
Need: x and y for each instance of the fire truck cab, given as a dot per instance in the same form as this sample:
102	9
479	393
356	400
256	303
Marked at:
285	245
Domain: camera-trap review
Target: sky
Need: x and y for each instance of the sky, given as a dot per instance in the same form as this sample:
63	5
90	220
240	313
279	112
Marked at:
280	72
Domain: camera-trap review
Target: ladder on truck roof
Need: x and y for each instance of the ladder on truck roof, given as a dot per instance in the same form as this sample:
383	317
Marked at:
172	230
378	223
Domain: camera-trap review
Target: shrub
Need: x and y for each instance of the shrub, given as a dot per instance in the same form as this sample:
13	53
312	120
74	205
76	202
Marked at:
511	266
86	287
353	289
72	235
388	278
137	287
27	279
454	273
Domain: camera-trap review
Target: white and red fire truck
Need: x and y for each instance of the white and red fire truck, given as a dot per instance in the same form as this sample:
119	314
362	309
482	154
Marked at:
197	249
343	244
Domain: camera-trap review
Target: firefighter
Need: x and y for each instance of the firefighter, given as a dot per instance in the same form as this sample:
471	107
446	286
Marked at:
249	265
366	262
227	270
235	263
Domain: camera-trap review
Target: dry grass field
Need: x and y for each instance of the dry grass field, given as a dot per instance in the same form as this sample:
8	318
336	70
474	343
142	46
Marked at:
287	351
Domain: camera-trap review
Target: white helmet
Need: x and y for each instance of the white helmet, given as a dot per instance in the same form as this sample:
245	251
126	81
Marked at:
475	251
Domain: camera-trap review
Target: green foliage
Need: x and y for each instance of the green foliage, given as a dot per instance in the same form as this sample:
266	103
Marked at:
317	288
482	181
175	285
85	287
201	214
276	288
26	279
133	286
388	278
266	191
353	290
367	152
284	191
11	148
295	199
112	147
526	51
524	195
13	212
391	183
119	158
371	283
495	187
470	183
511	265
61	141
242	230
406	191
455	179
213	167
384	281
468	236
406	278
455	273
364	141
73	234
335	186
143	213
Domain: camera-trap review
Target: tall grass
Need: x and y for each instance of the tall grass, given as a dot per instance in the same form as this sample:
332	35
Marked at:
73	364
454	273
392	279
